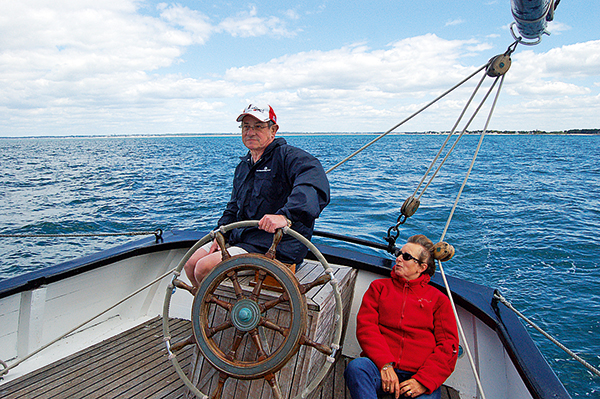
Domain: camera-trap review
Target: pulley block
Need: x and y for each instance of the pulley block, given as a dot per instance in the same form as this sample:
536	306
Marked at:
498	65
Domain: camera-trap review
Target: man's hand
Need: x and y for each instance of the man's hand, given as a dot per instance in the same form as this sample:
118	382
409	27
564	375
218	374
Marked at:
214	247
270	223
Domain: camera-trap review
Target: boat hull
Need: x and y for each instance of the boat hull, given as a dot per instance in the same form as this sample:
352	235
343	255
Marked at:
38	307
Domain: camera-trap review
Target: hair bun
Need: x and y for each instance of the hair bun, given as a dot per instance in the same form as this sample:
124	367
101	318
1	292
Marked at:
443	251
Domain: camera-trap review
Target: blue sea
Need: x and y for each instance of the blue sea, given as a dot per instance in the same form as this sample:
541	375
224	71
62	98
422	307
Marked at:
528	221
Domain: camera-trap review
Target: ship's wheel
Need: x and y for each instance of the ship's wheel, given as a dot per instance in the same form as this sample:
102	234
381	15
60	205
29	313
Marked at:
221	325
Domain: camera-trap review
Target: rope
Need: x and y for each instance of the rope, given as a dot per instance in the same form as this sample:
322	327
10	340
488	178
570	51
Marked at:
461	331
446	284
545	334
35	352
404	121
157	233
476	151
132	233
443	274
468	103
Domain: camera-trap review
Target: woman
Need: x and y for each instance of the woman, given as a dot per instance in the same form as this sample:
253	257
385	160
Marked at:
407	331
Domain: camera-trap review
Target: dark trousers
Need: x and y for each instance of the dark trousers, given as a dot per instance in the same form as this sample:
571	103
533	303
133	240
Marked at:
363	380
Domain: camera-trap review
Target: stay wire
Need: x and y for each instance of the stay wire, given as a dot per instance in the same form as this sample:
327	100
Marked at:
467	104
405	120
508	52
71	331
483	133
442	272
60	235
157	233
548	336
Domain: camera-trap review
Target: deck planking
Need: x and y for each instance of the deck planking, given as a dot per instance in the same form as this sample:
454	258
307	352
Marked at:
132	364
102	371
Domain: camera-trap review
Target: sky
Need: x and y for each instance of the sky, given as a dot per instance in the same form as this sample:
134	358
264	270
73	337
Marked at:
127	67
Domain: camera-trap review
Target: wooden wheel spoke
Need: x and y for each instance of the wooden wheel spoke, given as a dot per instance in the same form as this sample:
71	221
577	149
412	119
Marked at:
271	304
258	287
272	380
260	352
191	340
219	390
180	284
304	288
211	331
223	246
320	347
272	326
276	239
237	341
224	304
237	288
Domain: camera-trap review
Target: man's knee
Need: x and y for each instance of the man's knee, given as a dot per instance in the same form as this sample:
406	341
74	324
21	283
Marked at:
206	264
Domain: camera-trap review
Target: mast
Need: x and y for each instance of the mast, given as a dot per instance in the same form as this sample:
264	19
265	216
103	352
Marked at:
532	17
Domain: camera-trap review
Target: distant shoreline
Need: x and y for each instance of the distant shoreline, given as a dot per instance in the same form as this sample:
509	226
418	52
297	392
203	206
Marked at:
571	132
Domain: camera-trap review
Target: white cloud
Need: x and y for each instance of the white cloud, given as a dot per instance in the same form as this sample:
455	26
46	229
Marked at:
405	65
83	67
249	24
455	22
192	21
555	27
292	14
561	71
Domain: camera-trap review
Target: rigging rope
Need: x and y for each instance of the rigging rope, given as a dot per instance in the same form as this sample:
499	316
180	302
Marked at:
468	103
157	233
411	204
71	331
496	67
476	150
442	272
545	334
404	121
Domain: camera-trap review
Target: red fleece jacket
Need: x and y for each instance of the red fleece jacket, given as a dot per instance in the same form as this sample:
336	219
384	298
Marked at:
410	324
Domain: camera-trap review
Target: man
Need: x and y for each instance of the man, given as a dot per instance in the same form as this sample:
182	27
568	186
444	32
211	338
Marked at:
275	183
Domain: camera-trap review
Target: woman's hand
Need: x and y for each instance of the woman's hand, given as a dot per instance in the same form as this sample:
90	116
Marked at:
389	380
411	388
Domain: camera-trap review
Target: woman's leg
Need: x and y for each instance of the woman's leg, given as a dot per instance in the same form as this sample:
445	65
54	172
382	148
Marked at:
363	379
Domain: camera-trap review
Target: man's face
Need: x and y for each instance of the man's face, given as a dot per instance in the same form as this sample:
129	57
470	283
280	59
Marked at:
257	135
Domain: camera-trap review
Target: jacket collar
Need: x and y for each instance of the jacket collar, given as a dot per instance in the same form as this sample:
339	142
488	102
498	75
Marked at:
279	141
421	281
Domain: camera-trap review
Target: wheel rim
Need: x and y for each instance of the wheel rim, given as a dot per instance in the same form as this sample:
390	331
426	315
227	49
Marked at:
201	309
338	316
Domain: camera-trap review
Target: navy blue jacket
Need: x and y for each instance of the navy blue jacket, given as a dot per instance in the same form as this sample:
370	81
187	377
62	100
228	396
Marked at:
285	181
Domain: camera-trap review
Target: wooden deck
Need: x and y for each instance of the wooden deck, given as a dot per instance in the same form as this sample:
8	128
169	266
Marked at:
134	365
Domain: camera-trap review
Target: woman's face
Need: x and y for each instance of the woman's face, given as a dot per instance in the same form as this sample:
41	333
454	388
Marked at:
412	268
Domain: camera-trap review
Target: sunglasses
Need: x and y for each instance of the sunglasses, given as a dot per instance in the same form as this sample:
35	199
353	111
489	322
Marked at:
406	256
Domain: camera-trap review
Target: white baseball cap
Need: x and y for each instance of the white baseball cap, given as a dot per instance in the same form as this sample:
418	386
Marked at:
263	113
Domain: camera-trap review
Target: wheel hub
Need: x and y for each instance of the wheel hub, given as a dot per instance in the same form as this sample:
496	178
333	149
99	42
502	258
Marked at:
245	315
